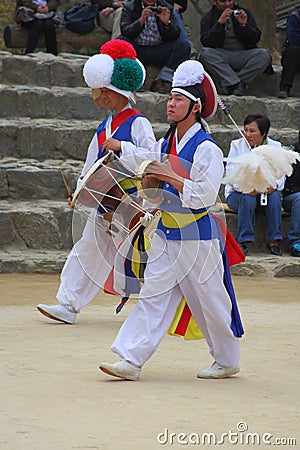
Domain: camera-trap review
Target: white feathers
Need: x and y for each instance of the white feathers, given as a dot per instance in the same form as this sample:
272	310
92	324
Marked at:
98	71
188	73
261	168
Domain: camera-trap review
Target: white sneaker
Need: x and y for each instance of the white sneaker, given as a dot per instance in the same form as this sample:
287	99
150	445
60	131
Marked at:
57	312
217	371
121	369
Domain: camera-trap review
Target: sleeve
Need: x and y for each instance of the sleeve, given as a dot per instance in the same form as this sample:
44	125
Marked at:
128	28
293	28
143	145
233	152
91	156
206	176
212	32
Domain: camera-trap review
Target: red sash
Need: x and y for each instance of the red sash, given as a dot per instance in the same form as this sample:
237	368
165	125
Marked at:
116	122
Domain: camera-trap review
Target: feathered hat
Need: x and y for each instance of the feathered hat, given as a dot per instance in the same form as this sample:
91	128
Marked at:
116	68
187	79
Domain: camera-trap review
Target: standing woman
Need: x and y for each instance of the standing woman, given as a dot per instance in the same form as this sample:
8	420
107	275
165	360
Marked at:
42	22
256	129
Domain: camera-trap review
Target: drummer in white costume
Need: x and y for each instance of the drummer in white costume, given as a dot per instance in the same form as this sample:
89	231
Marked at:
113	79
184	259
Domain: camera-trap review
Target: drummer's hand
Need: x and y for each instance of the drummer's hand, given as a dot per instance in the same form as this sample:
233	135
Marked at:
112	144
164	172
70	198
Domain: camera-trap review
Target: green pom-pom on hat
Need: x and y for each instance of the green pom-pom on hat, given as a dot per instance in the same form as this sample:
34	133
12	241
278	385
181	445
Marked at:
128	75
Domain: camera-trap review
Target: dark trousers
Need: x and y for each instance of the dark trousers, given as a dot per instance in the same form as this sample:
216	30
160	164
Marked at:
290	62
166	54
35	29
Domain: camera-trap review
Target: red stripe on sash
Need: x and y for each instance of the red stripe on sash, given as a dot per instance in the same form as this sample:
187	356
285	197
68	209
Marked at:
176	163
116	122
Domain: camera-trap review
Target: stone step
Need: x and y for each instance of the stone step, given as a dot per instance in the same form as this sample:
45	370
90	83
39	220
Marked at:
42	224
44	69
31	179
57	139
76	104
47	261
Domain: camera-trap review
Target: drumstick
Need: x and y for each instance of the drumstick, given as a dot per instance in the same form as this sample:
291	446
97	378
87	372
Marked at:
70	196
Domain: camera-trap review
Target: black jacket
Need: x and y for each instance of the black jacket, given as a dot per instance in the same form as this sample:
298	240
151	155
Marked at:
131	27
212	33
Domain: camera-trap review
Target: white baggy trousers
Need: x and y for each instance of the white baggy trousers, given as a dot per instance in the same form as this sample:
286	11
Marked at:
175	268
87	267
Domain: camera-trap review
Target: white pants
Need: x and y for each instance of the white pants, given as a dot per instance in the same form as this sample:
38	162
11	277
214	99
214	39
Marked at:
87	267
175	268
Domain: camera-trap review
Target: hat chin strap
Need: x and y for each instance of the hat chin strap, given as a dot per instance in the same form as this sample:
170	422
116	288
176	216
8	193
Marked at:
173	125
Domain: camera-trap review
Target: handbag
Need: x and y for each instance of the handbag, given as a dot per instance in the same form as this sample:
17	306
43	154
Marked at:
25	14
80	18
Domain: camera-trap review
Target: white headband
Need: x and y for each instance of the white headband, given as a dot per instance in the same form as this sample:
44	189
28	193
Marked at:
186	94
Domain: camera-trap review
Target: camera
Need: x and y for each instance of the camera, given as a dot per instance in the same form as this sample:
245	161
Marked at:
235	12
155	10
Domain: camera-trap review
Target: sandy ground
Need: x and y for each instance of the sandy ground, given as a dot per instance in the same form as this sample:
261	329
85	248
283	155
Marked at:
54	397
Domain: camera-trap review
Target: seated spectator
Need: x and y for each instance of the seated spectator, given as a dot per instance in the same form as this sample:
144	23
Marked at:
229	36
110	15
291	203
156	38
290	60
256	128
39	25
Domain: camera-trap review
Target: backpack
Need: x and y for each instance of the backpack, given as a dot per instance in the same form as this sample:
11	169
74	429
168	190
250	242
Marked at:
80	18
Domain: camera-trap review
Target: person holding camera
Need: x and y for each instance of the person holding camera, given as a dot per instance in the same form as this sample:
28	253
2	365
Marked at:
229	35
151	27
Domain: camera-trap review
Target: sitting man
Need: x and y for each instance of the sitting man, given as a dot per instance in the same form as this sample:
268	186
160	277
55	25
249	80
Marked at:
110	15
229	36
291	203
291	54
153	30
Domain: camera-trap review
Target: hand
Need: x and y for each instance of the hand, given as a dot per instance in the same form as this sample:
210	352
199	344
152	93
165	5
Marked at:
43	9
226	14
164	172
106	11
112	144
269	190
253	193
165	14
145	14
242	17
118	4
177	7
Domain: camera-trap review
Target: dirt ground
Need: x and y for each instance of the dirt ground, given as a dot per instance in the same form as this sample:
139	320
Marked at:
53	396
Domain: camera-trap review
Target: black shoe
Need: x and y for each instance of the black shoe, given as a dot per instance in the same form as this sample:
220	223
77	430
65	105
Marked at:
274	249
284	92
239	89
158	85
295	251
244	249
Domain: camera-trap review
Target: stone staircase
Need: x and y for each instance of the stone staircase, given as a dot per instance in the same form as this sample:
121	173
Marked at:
47	119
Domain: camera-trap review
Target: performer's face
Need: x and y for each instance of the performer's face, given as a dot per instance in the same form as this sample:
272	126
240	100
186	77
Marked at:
107	98
253	134
177	107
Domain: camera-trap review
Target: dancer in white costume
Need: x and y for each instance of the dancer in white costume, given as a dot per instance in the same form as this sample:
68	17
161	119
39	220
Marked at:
113	75
185	259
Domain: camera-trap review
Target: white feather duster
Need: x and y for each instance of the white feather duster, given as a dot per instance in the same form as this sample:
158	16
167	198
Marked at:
261	168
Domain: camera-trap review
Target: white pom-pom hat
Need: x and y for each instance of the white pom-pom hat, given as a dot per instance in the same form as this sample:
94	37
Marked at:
115	68
189	74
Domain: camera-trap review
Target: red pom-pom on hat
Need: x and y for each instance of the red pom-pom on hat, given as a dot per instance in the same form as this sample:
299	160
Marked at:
118	49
